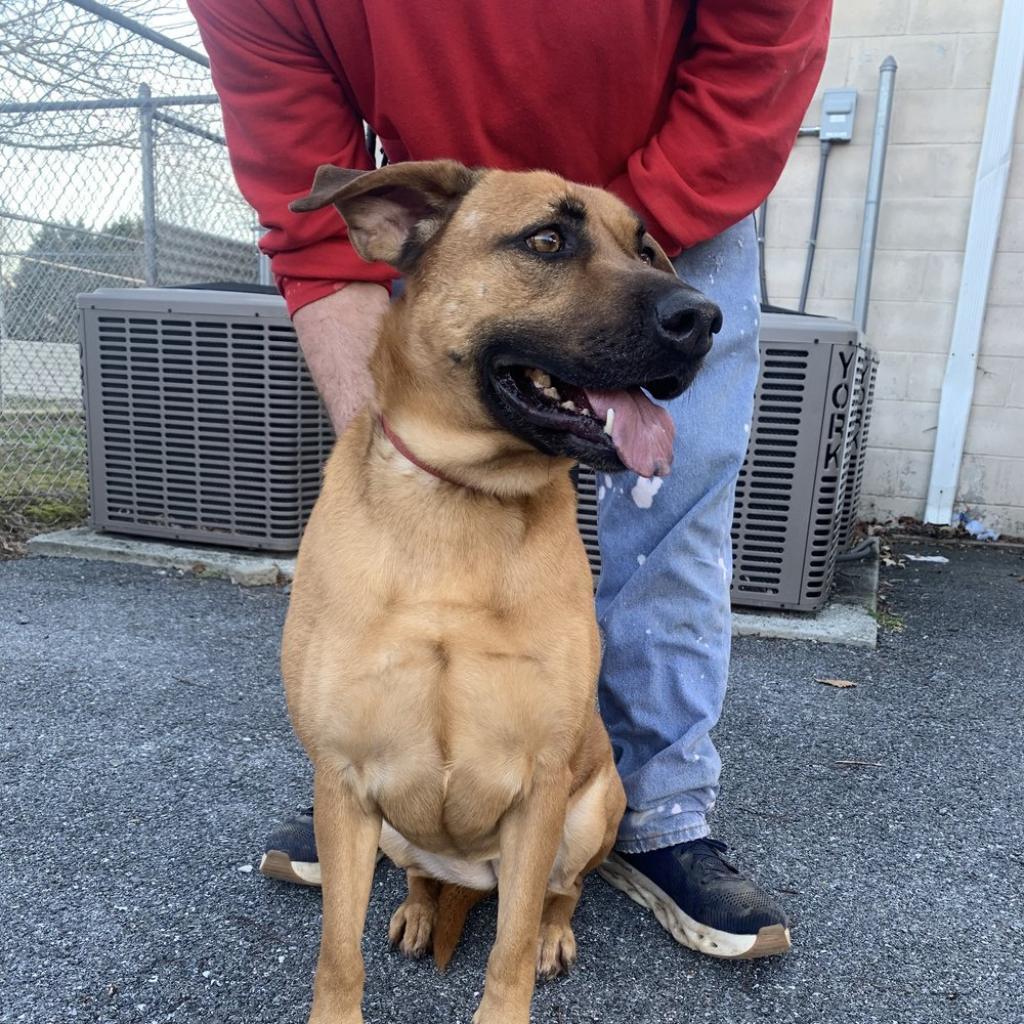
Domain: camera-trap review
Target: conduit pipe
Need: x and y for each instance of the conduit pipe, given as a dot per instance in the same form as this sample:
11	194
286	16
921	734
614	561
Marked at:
873	195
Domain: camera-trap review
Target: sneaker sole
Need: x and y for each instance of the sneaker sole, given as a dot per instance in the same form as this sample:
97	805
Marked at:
278	865
772	940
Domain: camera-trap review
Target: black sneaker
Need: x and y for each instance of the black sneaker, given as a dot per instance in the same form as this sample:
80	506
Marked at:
291	852
702	899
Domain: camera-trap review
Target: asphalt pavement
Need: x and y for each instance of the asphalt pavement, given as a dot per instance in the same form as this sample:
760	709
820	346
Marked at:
145	752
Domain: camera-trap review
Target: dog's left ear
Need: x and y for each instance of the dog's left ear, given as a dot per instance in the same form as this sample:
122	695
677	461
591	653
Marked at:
393	212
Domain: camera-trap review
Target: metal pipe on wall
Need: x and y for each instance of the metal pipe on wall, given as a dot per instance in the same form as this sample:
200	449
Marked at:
761	219
873	195
812	240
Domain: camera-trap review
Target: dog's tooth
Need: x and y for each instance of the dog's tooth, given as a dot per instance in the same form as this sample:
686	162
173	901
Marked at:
609	420
570	405
551	393
540	378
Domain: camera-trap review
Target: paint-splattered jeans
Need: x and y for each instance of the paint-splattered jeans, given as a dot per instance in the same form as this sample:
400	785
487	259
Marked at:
663	598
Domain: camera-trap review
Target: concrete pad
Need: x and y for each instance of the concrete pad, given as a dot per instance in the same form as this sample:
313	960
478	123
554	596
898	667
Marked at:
835	624
242	567
856	579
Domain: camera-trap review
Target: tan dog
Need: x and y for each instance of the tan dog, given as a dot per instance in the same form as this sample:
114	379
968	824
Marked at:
441	652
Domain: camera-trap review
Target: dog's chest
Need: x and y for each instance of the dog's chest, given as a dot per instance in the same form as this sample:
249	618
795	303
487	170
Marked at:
444	727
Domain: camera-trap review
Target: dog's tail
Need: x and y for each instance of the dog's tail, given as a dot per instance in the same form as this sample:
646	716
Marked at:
453	906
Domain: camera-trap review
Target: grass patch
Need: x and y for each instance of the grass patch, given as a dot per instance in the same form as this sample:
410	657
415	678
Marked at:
24	517
43	483
888	620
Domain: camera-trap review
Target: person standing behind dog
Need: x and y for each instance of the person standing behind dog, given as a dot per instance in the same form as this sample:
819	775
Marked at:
686	110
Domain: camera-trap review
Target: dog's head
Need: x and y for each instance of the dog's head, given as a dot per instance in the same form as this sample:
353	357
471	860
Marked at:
533	304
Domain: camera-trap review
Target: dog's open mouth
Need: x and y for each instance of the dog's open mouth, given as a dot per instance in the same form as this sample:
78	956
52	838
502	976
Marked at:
621	421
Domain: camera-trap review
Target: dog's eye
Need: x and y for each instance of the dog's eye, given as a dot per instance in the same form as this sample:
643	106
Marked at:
547	241
647	255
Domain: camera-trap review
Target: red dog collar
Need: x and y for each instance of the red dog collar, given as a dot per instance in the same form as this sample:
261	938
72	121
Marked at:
404	449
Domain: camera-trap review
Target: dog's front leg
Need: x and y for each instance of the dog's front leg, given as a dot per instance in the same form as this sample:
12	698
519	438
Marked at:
347	834
530	834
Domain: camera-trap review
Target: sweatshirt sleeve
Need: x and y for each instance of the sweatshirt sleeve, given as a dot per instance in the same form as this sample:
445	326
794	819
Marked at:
742	86
285	113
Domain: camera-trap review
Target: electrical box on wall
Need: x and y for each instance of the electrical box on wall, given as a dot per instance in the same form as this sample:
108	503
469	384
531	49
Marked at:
838	108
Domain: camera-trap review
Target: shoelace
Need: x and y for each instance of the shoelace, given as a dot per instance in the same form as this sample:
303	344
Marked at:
710	855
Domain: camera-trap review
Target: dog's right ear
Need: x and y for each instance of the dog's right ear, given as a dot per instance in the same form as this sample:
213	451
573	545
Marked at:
393	212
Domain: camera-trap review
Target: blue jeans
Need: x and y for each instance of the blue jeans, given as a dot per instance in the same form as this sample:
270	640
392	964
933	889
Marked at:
663	597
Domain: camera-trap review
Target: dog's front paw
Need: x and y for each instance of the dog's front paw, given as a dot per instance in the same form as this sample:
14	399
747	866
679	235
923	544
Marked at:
411	926
556	950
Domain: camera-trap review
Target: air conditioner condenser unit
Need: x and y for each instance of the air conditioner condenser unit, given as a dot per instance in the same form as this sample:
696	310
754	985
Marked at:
204	426
203	423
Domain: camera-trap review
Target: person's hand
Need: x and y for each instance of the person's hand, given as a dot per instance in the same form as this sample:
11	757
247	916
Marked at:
337	335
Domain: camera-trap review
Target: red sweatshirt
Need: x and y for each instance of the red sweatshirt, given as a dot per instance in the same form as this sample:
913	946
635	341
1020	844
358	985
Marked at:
686	110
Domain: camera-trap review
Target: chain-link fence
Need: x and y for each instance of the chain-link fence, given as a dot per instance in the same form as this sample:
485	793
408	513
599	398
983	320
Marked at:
113	184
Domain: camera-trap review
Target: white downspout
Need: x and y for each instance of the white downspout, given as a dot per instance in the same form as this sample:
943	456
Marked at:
979	252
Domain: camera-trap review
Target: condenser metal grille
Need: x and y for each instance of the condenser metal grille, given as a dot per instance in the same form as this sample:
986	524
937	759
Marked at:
860	421
585	480
833	476
766	502
799	469
203	423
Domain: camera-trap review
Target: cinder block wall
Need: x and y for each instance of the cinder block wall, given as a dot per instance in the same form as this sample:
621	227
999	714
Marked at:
945	50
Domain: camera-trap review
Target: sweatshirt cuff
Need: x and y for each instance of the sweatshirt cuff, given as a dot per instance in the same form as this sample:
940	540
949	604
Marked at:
314	271
301	291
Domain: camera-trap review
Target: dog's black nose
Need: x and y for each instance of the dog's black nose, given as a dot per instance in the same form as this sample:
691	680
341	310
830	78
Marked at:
687	320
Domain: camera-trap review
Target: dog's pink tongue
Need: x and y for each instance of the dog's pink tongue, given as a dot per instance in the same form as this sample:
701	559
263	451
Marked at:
642	432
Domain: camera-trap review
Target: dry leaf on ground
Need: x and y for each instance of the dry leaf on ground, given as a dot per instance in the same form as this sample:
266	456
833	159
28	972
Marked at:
839	684
891	560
